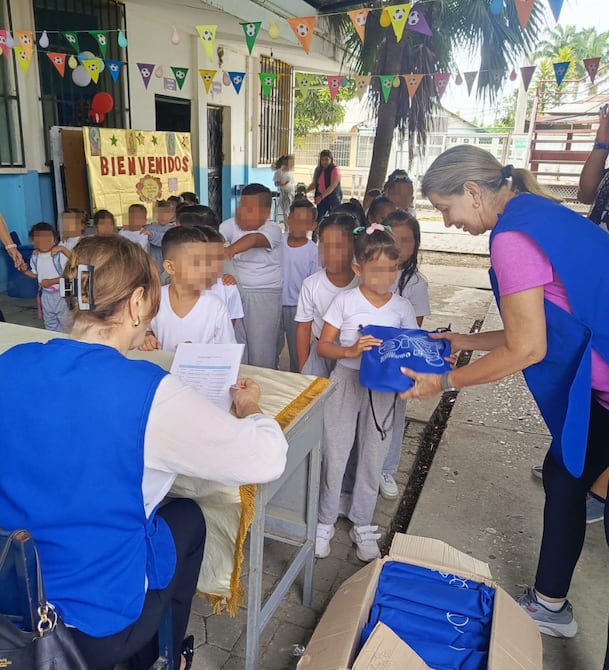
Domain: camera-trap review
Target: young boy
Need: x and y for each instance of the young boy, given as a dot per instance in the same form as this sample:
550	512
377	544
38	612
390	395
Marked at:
254	247
299	261
134	230
164	213
47	265
189	312
105	225
72	228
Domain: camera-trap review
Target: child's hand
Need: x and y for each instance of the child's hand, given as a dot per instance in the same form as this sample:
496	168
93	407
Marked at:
452	359
150	342
229	280
365	343
143	231
48	283
60	250
228	253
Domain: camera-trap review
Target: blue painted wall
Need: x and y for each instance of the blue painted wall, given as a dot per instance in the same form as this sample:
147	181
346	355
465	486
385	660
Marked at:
25	199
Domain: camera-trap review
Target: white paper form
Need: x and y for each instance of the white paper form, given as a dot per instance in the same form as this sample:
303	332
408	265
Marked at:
211	369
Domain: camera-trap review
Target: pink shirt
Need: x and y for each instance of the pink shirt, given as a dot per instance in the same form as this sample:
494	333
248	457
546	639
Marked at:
520	264
321	180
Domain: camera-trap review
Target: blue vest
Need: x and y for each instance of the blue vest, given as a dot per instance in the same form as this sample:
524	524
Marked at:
561	383
72	423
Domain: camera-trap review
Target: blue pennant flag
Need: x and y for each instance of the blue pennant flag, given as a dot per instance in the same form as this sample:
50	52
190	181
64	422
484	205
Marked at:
114	67
237	79
556	6
560	70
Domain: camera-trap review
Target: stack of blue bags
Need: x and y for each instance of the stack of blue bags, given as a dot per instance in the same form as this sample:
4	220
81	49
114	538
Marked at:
443	618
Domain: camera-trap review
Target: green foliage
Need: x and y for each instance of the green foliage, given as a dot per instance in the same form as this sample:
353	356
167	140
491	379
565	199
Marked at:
314	109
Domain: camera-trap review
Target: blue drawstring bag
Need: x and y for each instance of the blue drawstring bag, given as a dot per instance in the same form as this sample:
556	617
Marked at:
402	348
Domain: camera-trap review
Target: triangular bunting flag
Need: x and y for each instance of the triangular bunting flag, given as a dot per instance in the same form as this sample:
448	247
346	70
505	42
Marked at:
358	19
114	67
3	47
470	77
398	15
526	73
26	38
304	82
560	70
267	81
146	70
441	80
591	65
251	31
208	77
386	84
334	83
303	27
496	76
24	58
237	80
72	39
361	85
207	34
93	66
556	6
180	75
524	9
412	83
416	21
59	61
101	37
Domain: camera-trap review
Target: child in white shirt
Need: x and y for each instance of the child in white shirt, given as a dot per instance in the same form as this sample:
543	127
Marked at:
164	221
188	312
254	247
72	228
349	417
283	178
46	265
300	260
135	230
105	223
319	290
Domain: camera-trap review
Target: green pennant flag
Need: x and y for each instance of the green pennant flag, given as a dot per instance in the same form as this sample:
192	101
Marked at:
386	84
267	81
304	81
101	37
180	75
72	39
251	31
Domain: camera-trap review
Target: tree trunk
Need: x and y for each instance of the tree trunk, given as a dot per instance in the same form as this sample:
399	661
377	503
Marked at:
383	140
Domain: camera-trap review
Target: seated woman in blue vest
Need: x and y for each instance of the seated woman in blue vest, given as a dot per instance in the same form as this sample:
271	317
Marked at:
555	330
106	437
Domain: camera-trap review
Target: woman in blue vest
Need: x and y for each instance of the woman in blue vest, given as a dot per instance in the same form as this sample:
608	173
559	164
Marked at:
106	437
555	330
326	184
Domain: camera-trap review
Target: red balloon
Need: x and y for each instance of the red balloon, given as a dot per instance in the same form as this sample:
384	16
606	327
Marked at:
102	102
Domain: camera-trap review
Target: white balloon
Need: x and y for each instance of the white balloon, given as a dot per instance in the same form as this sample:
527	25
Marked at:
80	76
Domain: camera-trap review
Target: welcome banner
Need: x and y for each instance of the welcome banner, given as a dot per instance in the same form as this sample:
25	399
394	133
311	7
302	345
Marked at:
136	166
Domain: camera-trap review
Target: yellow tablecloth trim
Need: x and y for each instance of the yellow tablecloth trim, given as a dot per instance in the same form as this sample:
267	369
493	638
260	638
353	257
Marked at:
248	501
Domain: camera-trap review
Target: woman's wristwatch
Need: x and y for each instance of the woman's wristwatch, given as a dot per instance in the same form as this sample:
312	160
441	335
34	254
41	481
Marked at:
601	145
446	385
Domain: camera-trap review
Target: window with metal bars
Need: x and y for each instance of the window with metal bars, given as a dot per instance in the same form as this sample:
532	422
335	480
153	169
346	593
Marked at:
275	129
63	102
11	135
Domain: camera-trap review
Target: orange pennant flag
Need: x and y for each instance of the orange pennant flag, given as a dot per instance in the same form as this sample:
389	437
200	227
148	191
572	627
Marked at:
303	27
208	77
358	19
26	38
413	82
59	61
524	9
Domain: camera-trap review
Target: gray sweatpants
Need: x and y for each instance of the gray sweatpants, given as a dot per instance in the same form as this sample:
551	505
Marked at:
287	331
316	365
55	311
259	326
348	424
392	462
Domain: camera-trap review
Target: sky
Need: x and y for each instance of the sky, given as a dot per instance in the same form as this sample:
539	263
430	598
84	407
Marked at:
579	13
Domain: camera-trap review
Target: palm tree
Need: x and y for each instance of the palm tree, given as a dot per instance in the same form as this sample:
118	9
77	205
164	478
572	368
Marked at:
499	39
585	43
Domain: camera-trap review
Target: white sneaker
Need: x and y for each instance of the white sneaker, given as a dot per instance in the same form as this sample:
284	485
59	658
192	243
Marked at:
387	487
366	539
344	504
322	540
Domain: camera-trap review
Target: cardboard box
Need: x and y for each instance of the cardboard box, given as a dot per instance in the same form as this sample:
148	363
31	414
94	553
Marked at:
515	640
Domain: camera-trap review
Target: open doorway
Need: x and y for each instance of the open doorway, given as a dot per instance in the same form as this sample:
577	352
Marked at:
172	113
215	158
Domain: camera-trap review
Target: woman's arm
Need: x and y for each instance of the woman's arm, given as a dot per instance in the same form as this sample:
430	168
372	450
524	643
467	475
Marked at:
594	167
522	344
9	245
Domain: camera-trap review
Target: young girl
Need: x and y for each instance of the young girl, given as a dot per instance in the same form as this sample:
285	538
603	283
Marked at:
319	290
349	420
413	286
283	178
134	230
380	208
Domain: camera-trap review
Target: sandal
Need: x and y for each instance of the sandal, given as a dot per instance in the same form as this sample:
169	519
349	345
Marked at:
187	650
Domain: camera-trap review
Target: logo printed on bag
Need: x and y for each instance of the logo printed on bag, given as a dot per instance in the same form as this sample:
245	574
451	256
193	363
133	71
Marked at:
405	346
4	663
